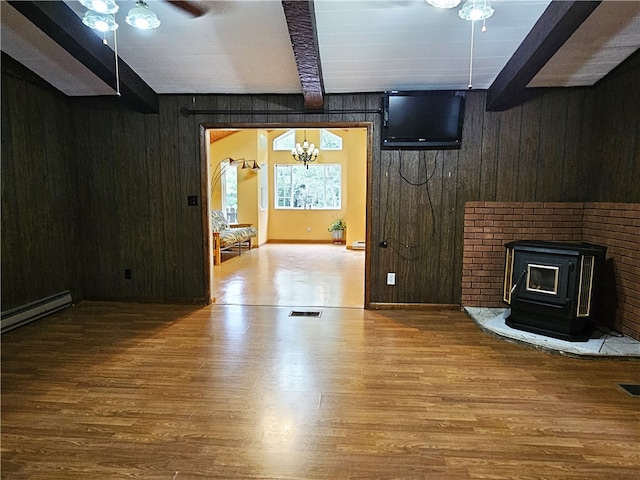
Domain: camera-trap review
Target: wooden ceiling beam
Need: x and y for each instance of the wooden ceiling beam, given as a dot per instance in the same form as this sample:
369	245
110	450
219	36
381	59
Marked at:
551	31
300	16
194	9
60	23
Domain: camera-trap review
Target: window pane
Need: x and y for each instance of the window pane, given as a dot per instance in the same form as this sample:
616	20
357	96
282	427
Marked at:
330	141
229	185
316	187
286	141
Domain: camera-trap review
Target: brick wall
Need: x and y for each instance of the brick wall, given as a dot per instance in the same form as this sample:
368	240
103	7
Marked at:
489	225
617	225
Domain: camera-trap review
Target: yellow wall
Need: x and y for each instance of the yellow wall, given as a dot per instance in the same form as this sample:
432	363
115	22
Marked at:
262	158
296	225
356	186
241	144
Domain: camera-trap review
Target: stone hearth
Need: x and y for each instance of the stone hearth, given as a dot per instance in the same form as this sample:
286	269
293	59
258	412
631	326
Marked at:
600	344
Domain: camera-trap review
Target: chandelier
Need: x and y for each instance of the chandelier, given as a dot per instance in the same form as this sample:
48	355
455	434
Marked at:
305	153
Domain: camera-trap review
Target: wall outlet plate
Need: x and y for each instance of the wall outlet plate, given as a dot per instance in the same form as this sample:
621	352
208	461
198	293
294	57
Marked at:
391	278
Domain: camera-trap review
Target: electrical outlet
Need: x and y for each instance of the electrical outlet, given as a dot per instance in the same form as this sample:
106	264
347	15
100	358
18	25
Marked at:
391	278
309	229
127	274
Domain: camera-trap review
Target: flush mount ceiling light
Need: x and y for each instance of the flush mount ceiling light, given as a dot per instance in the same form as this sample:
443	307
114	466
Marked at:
103	22
142	17
101	6
444	3
475	10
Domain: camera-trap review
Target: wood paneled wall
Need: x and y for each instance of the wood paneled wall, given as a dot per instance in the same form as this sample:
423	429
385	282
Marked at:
39	196
530	153
134	173
615	136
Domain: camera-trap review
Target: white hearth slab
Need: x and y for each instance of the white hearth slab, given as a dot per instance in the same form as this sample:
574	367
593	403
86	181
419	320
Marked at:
601	343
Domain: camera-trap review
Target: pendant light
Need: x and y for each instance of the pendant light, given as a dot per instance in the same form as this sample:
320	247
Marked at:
101	6
142	17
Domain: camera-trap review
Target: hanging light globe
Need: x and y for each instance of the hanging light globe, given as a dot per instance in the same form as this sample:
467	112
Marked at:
103	22
142	17
101	6
475	10
444	3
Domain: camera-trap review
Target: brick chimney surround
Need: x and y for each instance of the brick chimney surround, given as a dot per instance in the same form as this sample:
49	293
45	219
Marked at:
488	226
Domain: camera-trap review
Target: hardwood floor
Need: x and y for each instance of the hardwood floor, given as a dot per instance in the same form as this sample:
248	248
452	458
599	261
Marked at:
173	392
312	275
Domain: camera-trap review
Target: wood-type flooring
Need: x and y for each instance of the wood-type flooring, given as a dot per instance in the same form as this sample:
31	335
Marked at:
173	392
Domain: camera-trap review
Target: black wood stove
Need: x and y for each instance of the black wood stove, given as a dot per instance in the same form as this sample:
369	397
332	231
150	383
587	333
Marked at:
553	288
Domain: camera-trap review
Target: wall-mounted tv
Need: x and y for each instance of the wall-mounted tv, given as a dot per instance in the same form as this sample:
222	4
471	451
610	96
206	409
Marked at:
430	119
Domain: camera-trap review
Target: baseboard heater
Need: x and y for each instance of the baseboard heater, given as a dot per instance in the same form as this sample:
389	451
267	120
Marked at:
32	311
359	245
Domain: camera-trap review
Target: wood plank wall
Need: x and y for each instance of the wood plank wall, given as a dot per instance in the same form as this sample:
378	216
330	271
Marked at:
39	195
134	173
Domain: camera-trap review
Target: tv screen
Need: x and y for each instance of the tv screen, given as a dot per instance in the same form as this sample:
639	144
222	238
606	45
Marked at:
423	119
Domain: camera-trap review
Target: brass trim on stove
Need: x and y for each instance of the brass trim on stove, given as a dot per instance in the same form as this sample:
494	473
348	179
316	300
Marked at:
547	291
508	276
583	305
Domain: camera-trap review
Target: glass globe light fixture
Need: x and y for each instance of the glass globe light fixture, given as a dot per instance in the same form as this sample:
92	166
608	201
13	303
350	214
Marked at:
101	6
444	3
103	22
475	10
142	17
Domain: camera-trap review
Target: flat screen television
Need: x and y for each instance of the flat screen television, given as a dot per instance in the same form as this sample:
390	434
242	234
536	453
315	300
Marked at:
430	119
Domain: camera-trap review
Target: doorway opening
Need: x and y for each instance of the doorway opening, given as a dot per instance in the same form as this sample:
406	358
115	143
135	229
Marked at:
256	198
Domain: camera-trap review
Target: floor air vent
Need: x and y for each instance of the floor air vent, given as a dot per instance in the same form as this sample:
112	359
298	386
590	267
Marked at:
298	313
633	390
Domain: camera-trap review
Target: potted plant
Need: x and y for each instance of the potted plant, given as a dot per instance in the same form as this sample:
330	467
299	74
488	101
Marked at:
337	229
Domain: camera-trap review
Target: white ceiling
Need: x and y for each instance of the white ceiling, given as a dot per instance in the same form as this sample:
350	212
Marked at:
395	45
243	46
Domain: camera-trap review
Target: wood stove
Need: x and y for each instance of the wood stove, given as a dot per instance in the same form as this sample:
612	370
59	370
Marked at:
553	288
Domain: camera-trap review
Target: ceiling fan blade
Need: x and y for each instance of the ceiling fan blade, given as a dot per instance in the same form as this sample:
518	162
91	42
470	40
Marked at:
195	9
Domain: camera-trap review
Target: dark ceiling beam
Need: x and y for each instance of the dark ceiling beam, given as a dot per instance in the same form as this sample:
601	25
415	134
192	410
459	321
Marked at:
300	16
194	9
60	23
551	31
